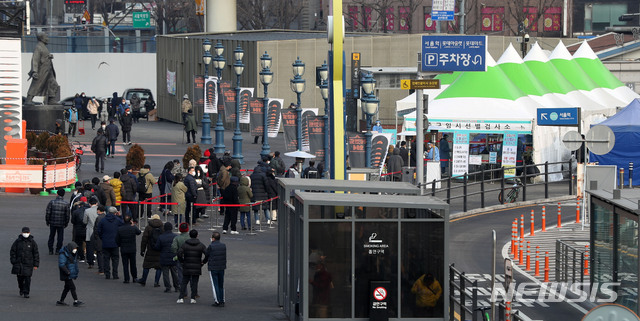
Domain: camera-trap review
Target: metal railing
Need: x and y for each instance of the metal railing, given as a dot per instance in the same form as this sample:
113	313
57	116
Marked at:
570	261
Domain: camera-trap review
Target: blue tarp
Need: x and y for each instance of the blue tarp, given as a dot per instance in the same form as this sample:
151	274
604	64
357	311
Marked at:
626	127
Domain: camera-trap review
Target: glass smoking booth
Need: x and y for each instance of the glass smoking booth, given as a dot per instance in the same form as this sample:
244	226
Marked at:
352	256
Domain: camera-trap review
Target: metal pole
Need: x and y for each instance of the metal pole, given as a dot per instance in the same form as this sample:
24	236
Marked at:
206	121
219	146
266	149
327	159
237	134
367	144
298	123
493	275
419	132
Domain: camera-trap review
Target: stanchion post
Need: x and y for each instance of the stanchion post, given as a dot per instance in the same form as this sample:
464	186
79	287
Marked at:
513	237
521	254
578	211
546	266
630	174
537	265
559	225
586	260
533	233
621	178
528	267
544	218
522	226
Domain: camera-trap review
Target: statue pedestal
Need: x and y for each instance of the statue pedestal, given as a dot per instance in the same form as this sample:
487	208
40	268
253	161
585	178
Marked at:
42	117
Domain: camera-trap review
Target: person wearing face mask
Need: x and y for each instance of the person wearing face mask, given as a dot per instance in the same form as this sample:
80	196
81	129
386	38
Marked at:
192	193
68	265
73	120
112	134
92	108
125	123
24	259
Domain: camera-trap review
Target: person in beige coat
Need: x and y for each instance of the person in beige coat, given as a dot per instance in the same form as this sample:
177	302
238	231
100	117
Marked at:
92	107
244	197
178	192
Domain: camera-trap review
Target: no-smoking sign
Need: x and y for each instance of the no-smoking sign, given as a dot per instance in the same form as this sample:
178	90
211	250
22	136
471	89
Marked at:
380	293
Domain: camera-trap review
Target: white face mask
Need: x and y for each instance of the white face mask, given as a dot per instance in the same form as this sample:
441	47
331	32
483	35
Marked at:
192	173
74	251
104	126
25	235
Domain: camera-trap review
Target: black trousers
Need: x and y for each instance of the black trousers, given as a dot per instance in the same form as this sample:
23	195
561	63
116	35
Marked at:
193	134
110	255
129	266
72	129
100	157
230	217
133	210
69	286
24	283
53	230
170	271
126	136
186	279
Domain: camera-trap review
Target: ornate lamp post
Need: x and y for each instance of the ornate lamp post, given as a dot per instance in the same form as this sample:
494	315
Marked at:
369	105
238	68
206	121
298	85
324	91
219	63
266	77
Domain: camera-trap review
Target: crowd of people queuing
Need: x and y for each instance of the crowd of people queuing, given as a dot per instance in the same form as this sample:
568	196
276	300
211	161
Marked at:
105	215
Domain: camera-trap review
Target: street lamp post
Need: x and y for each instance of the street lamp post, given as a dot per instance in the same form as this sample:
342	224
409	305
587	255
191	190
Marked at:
219	63
266	77
324	91
206	121
238	67
369	104
298	85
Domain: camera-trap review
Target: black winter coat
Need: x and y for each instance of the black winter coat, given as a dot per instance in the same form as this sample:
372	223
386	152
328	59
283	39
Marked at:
112	131
272	190
230	194
151	256
129	187
100	144
190	254
24	256
126	238
217	253
259	186
192	188
125	122
77	215
163	245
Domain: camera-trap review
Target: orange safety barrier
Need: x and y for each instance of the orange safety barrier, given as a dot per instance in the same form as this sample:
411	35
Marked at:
528	267
533	233
544	218
586	260
537	265
521	254
559	216
578	212
546	266
522	226
514	228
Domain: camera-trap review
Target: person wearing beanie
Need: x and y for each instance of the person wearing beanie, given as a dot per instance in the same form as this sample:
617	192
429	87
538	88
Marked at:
190	254
68	265
230	196
99	146
57	218
165	240
126	240
177	244
24	259
151	257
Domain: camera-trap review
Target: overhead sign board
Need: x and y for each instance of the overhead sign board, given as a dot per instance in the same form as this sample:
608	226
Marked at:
420	84
453	53
443	10
442	15
558	116
141	19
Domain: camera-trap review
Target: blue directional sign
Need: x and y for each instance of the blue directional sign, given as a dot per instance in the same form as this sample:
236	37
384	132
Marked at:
442	15
558	116
454	53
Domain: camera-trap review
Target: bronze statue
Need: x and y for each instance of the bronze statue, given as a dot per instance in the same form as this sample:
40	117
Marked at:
44	76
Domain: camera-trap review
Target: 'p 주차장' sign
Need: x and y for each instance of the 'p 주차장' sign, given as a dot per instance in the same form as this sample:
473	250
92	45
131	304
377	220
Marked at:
454	53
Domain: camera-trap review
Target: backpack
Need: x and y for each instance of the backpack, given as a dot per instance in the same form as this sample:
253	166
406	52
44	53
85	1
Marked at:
154	236
142	184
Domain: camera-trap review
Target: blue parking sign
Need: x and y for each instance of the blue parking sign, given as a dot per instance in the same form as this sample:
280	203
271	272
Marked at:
454	53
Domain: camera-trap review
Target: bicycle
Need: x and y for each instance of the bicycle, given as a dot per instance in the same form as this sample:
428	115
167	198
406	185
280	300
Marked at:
485	314
78	151
512	192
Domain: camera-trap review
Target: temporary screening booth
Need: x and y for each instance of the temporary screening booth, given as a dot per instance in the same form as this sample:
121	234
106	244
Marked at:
510	92
355	254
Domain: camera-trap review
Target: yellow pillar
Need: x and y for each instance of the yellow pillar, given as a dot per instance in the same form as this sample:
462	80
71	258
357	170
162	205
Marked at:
338	152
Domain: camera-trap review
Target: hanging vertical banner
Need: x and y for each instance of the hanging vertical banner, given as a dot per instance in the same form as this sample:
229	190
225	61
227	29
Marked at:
11	93
245	95
229	95
315	125
307	113
198	92
379	148
211	95
289	128
356	143
256	109
224	85
460	153
171	82
509	153
273	116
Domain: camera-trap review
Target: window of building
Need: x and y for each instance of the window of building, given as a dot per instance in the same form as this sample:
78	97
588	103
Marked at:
429	24
606	15
627	259
403	15
390	19
492	18
530	18
353	17
552	19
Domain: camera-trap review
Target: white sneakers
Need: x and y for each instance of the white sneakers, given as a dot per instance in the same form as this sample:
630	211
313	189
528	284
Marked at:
268	222
180	301
193	301
235	232
257	222
224	231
